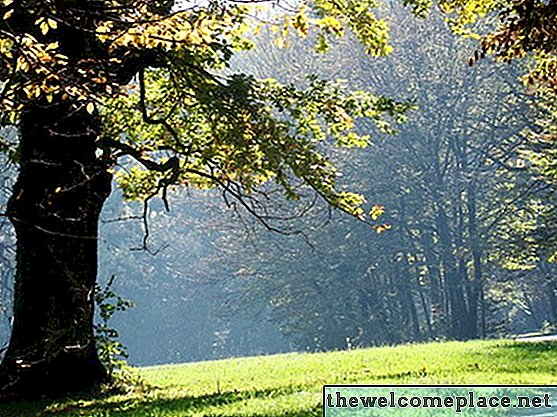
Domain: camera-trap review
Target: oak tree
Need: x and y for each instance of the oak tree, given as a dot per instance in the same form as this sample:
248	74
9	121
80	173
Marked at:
87	84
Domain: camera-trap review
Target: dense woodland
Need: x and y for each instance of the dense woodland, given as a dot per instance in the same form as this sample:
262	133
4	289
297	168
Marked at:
276	188
460	255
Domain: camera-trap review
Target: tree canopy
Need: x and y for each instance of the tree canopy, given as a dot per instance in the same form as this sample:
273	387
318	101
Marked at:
455	199
155	73
88	84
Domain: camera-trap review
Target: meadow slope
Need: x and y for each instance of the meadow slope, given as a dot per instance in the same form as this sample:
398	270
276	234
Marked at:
290	385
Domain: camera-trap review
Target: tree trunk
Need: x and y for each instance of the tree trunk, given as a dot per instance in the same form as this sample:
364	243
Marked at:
55	207
453	280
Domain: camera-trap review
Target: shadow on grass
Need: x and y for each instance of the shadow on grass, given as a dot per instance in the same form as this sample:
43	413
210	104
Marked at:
526	354
38	408
160	407
520	357
532	348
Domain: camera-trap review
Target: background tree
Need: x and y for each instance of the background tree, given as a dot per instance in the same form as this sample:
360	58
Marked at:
7	267
177	292
455	190
525	30
521	28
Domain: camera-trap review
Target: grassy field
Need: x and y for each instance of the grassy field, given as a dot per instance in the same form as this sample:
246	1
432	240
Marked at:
290	385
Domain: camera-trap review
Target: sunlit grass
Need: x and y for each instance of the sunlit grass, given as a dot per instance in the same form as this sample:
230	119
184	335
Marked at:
290	385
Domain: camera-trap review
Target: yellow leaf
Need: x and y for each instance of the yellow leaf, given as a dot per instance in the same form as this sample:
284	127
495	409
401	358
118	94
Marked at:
257	29
51	46
44	28
382	228
376	211
279	42
8	14
194	38
90	108
29	90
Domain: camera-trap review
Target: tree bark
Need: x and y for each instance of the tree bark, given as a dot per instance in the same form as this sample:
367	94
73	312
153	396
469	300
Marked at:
475	286
454	277
55	207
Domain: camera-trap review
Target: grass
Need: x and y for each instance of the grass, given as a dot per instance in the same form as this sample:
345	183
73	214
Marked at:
290	385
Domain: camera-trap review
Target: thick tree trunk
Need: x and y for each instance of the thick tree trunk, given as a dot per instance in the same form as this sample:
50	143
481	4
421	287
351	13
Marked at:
55	207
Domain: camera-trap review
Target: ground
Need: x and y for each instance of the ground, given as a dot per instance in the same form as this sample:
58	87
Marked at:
290	385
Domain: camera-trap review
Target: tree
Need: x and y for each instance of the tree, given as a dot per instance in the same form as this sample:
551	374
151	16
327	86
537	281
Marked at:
445	183
525	30
178	315
521	28
7	246
89	83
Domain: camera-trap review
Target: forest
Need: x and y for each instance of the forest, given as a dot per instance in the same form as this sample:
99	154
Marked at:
201	180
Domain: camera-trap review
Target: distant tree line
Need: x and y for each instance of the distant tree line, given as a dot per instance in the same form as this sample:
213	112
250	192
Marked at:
461	250
461	254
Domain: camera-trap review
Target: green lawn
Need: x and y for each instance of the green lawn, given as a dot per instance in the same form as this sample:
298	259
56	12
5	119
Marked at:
290	385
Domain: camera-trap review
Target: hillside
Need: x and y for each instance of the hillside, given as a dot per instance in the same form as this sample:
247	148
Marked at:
291	384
